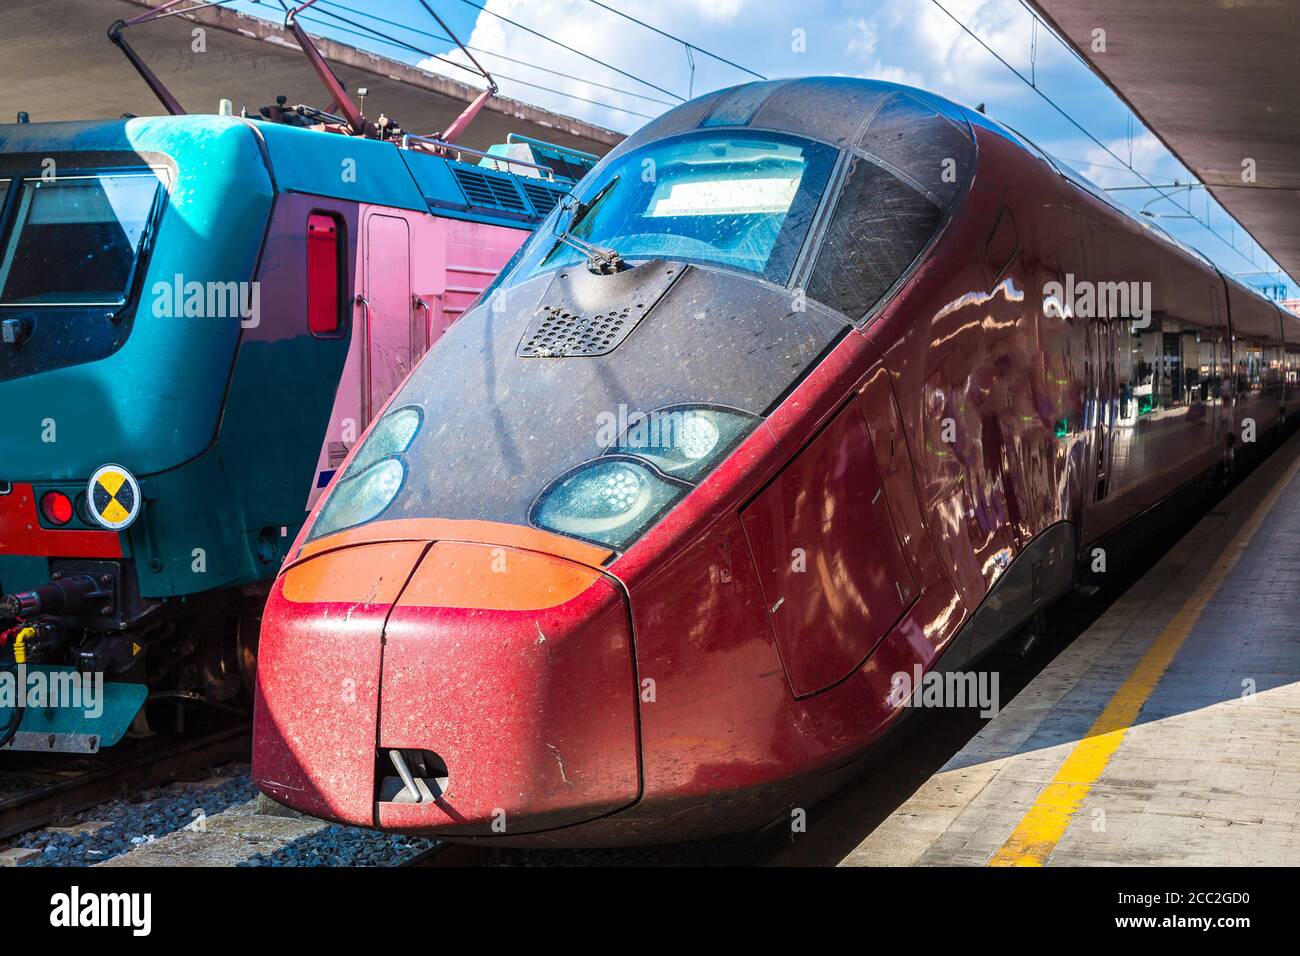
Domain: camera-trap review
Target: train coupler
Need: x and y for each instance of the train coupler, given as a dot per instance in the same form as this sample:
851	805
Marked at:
67	595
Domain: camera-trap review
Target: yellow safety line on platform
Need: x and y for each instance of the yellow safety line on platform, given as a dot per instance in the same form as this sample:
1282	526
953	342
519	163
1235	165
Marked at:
1042	827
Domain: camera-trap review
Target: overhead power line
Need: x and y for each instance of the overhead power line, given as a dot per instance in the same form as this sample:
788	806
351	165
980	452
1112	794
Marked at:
685	43
1077	125
493	53
367	32
564	46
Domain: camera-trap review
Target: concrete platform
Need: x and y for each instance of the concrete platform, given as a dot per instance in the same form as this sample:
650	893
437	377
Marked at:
1168	733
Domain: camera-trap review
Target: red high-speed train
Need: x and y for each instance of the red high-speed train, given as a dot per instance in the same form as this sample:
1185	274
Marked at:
812	383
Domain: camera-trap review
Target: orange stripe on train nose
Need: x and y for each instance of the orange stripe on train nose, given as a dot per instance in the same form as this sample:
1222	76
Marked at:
457	529
456	574
370	574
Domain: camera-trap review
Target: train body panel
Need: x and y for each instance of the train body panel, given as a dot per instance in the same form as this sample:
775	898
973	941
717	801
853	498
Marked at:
912	371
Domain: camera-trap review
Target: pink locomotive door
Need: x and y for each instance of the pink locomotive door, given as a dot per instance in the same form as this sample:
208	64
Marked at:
391	339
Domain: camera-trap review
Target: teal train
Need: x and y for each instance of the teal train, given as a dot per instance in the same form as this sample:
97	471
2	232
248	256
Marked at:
200	316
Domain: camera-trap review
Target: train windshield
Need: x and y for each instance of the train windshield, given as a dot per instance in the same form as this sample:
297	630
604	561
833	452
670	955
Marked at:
739	199
76	239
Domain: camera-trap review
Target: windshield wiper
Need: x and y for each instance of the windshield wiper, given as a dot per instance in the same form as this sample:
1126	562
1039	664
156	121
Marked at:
602	260
599	259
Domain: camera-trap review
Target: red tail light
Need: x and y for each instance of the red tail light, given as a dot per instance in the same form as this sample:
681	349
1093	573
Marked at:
56	507
324	277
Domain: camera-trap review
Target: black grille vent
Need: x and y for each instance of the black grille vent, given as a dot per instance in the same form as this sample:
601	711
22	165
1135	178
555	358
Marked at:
542	197
489	190
584	314
556	333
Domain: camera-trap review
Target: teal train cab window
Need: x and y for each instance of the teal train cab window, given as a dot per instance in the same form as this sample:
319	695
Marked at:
76	239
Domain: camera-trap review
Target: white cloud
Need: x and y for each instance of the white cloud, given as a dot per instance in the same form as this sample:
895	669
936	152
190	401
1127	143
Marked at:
615	41
903	41
1149	156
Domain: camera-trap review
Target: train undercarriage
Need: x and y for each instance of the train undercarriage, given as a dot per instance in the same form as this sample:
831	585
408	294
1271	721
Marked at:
94	661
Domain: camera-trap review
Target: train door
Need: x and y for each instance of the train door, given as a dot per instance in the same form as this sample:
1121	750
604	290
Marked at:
388	320
1103	398
1104	401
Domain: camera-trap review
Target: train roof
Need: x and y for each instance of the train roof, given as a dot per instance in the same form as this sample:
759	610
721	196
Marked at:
832	109
500	191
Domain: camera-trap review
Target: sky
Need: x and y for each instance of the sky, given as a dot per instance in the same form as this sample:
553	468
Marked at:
642	74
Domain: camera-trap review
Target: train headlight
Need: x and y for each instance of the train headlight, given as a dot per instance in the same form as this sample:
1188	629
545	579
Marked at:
391	435
685	441
699	437
360	498
609	500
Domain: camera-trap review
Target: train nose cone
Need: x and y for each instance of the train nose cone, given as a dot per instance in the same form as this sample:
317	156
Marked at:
319	661
515	669
502	701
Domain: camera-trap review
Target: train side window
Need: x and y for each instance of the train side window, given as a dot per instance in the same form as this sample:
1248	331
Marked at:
933	150
326	277
879	227
1139	367
1273	371
1250	358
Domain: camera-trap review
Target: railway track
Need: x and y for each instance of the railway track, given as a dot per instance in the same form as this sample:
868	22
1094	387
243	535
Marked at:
35	793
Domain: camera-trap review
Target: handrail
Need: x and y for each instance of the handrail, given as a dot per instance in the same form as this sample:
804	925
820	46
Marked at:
569	150
408	138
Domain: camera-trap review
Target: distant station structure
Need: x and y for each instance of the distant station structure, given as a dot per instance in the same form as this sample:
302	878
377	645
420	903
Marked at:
1215	82
60	65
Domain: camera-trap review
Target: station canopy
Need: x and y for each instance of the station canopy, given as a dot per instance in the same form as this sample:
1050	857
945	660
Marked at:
1216	81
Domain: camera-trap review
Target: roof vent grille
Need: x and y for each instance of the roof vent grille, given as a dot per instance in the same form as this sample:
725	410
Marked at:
489	190
542	197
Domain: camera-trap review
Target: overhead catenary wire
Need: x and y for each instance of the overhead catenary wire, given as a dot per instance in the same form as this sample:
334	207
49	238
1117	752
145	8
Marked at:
686	43
504	76
1077	125
564	46
492	53
367	32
